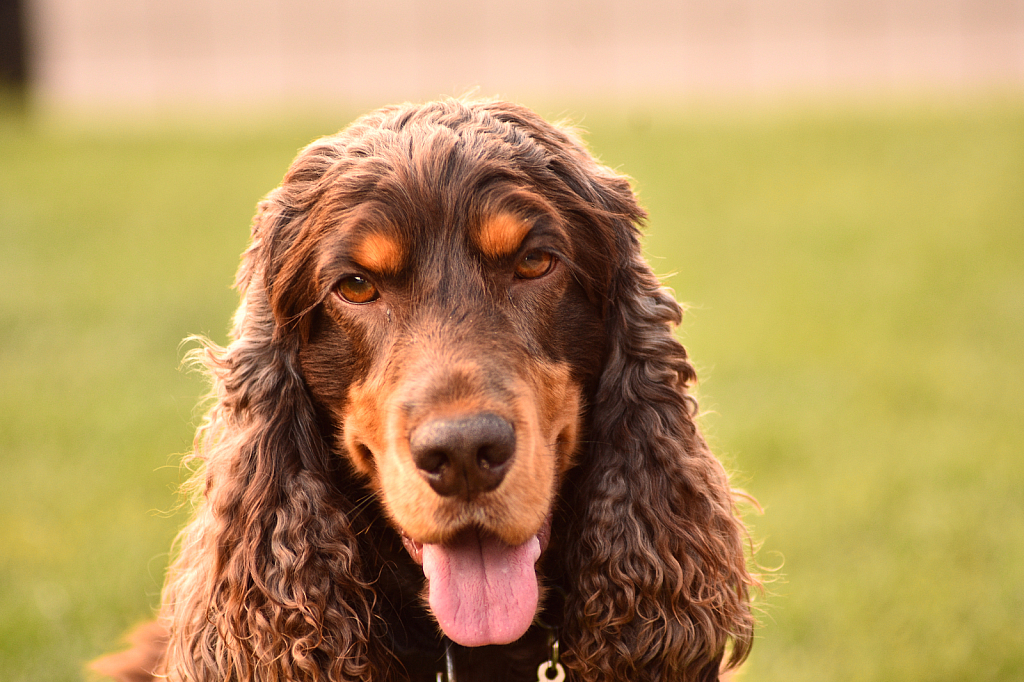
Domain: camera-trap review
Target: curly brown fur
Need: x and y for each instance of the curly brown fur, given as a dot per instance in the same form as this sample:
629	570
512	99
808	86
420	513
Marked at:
436	273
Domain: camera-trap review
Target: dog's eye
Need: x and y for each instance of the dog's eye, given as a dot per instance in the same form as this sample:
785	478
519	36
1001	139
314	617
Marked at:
534	264
356	289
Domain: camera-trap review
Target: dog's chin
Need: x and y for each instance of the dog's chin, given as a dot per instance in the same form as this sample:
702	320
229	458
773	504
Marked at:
480	589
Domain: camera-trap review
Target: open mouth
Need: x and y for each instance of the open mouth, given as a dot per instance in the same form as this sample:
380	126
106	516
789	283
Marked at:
480	589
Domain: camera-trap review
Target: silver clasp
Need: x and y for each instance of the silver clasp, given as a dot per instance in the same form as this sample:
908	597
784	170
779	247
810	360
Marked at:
551	670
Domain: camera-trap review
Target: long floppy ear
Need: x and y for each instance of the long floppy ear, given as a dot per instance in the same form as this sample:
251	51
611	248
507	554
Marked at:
659	579
268	581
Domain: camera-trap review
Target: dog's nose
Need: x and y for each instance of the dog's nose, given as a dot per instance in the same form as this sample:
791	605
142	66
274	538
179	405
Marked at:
463	456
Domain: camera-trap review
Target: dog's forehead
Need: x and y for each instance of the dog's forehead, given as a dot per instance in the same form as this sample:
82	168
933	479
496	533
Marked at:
391	247
432	198
387	237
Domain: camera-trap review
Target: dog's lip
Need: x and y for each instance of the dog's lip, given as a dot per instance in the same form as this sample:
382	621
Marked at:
415	548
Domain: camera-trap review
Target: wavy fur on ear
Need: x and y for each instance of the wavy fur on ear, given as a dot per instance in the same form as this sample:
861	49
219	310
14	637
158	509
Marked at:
284	598
661	577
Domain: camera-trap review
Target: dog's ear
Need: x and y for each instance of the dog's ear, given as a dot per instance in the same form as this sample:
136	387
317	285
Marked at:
659	579
268	575
285	232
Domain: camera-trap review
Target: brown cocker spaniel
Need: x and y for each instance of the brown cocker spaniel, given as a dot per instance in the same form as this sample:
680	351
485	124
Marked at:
451	431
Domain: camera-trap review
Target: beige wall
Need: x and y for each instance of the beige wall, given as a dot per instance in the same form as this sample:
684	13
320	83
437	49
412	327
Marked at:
235	52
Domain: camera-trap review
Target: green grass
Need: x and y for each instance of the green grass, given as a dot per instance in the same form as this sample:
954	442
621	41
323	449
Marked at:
856	282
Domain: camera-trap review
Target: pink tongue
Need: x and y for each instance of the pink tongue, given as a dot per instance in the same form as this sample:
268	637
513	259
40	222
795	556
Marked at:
482	591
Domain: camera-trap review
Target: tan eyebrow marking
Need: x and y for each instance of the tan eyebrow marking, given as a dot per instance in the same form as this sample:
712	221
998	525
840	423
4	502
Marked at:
501	235
380	253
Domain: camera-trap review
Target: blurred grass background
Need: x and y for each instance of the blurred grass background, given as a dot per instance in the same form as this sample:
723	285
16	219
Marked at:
856	287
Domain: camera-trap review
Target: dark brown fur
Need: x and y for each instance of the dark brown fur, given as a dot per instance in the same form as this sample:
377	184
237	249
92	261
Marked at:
294	568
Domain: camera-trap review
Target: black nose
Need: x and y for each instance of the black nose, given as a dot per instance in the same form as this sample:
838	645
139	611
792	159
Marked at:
463	456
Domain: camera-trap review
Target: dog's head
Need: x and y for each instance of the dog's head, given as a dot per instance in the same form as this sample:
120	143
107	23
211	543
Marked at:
451	298
447	283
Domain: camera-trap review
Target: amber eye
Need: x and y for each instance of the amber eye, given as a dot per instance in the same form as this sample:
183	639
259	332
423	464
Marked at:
356	289
534	264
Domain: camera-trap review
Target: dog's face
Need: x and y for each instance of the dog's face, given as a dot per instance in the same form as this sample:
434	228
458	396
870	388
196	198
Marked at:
450	347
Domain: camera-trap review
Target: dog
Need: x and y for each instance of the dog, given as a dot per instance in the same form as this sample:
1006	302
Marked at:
451	435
